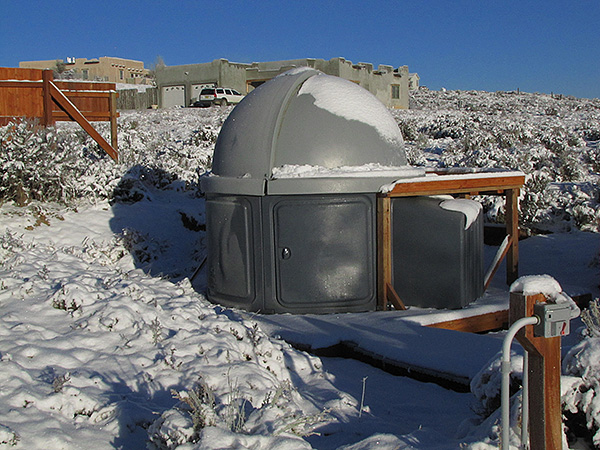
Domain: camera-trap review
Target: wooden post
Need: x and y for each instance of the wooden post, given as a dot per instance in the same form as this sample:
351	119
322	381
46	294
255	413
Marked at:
384	250
112	108
512	230
47	77
545	422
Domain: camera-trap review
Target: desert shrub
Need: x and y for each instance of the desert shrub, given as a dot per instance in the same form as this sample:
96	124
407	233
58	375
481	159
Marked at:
41	163
581	399
157	150
591	318
552	139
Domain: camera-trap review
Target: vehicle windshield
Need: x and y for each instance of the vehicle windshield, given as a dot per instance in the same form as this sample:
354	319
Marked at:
207	92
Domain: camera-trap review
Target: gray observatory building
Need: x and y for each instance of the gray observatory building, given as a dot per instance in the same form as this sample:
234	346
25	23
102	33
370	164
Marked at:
291	205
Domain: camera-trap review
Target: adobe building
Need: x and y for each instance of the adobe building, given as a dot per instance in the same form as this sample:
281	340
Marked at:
181	85
105	68
413	82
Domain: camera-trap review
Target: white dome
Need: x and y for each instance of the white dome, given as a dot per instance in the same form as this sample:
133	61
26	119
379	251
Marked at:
306	118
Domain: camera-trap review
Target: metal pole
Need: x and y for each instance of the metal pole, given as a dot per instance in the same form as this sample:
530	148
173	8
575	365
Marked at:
525	403
512	331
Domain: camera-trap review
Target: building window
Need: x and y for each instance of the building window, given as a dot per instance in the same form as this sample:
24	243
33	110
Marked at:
395	91
121	74
85	74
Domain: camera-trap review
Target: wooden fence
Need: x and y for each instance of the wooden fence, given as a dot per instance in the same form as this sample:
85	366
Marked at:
33	94
132	99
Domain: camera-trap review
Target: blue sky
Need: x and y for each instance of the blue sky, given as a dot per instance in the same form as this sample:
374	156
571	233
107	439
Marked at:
535	46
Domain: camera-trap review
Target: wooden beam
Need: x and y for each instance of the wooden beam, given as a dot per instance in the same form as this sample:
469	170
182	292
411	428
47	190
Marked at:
21	84
500	255
47	77
76	115
456	184
384	251
512	229
476	324
393	297
112	109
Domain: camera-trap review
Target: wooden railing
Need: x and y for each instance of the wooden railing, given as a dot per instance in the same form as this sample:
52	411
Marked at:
33	94
506	184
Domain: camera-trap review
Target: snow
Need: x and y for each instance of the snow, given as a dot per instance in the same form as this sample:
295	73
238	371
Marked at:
366	170
352	102
474	175
544	284
295	71
469	208
537	284
92	345
104	344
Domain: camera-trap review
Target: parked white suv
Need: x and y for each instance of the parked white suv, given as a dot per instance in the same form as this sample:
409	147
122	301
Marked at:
218	96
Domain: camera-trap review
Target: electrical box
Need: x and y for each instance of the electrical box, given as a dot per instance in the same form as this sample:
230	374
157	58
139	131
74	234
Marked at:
554	319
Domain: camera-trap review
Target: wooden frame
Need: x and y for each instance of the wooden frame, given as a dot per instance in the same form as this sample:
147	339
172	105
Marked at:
507	184
33	93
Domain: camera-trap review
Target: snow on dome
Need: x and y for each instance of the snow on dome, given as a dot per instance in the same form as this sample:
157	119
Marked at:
366	170
469	208
296	71
357	104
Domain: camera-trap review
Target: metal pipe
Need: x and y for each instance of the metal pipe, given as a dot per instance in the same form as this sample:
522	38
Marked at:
525	404
505	393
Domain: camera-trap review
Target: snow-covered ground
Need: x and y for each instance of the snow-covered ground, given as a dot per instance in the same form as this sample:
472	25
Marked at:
104	343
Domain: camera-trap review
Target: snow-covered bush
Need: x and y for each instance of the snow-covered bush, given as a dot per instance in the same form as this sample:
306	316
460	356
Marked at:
43	163
591	318
8	436
165	149
112	345
485	386
582	397
553	139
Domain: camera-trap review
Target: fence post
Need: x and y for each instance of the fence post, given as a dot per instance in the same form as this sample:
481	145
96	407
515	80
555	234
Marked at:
47	118
545	420
512	230
112	107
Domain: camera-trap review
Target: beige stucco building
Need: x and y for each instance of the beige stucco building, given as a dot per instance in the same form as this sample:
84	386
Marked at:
413	81
181	85
105	68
